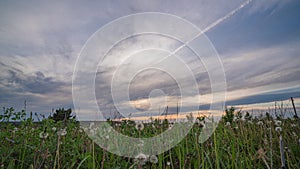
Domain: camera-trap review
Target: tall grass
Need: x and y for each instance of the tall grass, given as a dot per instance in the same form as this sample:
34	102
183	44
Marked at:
236	143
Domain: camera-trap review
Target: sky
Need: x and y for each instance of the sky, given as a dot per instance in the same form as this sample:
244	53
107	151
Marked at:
40	42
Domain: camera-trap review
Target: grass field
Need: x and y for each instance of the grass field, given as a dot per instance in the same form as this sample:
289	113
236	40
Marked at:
236	143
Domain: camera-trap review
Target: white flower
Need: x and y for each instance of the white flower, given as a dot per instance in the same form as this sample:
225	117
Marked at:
227	123
43	135
62	132
139	126
202	124
168	163
236	127
278	123
278	129
153	126
107	137
153	159
170	126
141	158
54	129
293	125
260	123
91	125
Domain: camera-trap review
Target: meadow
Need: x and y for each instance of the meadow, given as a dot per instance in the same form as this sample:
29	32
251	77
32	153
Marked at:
240	141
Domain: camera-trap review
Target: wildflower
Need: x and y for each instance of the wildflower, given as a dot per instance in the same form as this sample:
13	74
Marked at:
139	126
153	126
107	137
227	123
54	129
236	127
260	123
141	158
62	132
15	129
153	159
170	126
278	129
91	125
293	125
43	135
278	123
168	163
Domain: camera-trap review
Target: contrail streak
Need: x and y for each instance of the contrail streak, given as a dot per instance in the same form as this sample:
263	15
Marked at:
214	24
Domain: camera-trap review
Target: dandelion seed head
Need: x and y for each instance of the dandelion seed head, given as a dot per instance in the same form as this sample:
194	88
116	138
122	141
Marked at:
153	126
54	129
139	126
91	125
168	163
153	159
141	158
62	132
260	123
227	123
278	129
278	123
43	135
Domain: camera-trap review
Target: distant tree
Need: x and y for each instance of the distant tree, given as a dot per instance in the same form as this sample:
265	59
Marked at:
229	114
239	115
248	116
62	115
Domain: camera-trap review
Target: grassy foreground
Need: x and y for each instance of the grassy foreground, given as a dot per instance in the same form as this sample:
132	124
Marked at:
236	143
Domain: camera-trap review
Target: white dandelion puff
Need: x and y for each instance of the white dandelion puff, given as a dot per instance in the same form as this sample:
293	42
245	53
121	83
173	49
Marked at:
153	126
141	158
43	135
139	126
278	123
227	123
260	123
91	125
168	163
153	159
62	132
278	129
54	129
